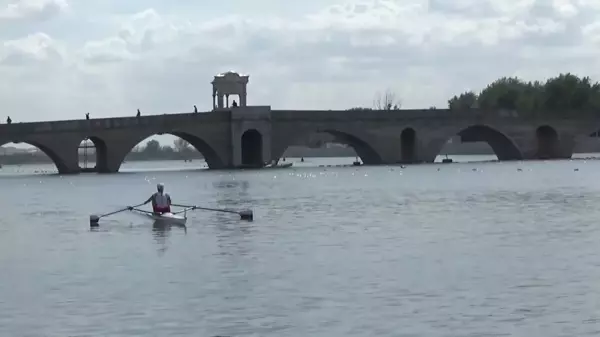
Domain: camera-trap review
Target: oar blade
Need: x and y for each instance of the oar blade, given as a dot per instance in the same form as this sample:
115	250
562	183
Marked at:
94	219
246	215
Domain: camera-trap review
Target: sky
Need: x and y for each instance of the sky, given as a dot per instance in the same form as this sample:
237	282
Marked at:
62	58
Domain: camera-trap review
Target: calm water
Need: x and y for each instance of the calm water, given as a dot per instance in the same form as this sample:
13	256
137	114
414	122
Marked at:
467	249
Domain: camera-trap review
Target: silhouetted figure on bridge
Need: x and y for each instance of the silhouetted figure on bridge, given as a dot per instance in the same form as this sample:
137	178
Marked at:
138	113
87	116
195	109
234	103
8	120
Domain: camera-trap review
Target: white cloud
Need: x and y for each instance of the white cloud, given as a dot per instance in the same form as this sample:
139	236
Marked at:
110	50
338	57
32	9
34	49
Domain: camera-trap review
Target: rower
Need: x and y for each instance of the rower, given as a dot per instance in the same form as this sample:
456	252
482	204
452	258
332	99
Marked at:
161	201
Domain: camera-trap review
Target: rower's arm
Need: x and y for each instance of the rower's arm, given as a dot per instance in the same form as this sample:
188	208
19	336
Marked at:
149	199
169	199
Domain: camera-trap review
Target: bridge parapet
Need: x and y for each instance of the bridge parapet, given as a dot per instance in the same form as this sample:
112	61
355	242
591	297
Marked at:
257	112
438	115
378	115
101	124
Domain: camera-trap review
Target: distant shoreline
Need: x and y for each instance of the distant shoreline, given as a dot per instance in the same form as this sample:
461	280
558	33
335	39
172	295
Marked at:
334	151
297	159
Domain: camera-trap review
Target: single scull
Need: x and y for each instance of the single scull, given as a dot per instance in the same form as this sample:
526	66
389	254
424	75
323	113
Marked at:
173	218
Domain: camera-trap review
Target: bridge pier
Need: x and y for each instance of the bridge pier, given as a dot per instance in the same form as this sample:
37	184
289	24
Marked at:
251	137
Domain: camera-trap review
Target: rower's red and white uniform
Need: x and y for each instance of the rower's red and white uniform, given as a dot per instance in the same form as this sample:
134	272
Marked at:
161	202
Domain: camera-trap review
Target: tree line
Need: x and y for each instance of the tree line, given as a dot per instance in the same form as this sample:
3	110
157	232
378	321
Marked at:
153	150
565	94
560	95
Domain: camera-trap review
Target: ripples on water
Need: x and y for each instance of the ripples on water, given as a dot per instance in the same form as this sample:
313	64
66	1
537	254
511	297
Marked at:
332	252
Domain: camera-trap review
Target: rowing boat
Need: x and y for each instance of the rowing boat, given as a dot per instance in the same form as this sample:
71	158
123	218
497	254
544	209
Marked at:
172	218
167	218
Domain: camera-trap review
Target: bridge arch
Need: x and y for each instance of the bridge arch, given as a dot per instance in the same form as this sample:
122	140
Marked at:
503	146
93	150
362	148
137	149
34	157
252	148
408	145
548	143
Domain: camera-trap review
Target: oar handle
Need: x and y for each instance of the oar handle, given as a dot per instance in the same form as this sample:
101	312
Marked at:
207	208
184	206
216	209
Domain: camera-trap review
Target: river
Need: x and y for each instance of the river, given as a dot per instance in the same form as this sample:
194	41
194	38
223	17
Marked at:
465	249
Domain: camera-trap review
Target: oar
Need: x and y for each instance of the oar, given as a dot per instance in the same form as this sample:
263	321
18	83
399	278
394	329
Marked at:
245	214
95	218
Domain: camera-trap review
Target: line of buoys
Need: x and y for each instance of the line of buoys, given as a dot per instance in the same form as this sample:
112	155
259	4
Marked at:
340	165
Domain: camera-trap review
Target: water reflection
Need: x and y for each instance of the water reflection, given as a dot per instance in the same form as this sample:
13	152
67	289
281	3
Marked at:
232	192
235	184
161	232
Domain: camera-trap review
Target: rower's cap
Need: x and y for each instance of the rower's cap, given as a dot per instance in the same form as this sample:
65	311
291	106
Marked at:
160	186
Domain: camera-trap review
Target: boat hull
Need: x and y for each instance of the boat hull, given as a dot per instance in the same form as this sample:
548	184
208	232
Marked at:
169	218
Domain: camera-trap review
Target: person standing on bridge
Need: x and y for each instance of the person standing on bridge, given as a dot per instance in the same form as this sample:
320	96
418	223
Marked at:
161	201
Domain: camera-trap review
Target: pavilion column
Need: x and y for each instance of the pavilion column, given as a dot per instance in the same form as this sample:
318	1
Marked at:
220	100
243	96
214	95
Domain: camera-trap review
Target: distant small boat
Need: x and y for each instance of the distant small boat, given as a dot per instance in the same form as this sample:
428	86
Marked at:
266	166
274	165
286	165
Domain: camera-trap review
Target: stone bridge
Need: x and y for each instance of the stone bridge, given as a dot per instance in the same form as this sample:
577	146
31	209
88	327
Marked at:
249	136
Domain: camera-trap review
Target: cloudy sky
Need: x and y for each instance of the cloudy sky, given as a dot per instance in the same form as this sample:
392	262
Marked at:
62	58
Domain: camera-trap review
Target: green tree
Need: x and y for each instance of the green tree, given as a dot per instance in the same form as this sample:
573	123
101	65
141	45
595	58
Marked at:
387	101
152	147
466	100
382	101
568	92
181	145
504	93
561	95
167	150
